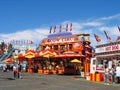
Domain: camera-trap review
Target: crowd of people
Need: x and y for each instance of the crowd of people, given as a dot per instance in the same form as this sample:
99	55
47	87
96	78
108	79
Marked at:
114	72
16	69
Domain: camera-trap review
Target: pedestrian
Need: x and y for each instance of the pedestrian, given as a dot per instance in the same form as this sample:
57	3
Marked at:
118	73
112	73
106	75
14	71
19	71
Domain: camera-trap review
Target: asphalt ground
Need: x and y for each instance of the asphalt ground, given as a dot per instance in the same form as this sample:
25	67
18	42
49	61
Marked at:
35	81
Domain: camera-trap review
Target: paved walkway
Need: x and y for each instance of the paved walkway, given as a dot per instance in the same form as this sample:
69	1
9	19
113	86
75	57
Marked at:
35	81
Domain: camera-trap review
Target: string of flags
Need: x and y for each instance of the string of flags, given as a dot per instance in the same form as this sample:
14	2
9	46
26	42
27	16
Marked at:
68	28
21	42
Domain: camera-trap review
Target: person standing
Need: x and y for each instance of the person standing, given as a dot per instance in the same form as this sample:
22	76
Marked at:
19	71
14	71
118	73
112	73
106	77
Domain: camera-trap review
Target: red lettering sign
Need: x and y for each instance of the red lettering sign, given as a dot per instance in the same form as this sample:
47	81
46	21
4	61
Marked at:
115	47
108	48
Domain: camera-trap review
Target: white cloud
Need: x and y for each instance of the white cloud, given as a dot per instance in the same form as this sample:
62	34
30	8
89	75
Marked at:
90	26
33	34
117	16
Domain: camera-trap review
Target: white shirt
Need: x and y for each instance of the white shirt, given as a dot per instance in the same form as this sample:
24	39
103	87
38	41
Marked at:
118	71
14	68
106	71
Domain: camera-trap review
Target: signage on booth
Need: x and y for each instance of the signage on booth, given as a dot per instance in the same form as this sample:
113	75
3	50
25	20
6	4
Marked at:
59	40
108	48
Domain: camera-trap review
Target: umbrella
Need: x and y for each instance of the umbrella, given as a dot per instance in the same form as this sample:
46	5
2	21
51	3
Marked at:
9	60
75	61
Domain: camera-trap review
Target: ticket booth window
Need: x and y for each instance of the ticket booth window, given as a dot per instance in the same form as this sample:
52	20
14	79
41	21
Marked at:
100	64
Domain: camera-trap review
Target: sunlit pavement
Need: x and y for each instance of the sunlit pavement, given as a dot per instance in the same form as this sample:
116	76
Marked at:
35	81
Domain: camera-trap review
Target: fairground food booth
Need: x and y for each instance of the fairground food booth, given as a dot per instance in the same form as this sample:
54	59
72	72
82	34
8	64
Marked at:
105	54
67	47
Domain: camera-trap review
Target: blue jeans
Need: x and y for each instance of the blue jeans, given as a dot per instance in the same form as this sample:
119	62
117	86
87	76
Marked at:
113	77
106	78
15	74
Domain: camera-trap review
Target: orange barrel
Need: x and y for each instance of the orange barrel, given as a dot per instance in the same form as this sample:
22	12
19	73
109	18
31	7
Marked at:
93	77
110	78
101	77
98	77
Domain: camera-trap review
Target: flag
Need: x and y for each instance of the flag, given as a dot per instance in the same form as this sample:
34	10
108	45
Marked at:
54	29
60	28
66	27
50	29
118	39
106	35
97	38
110	40
119	28
71	27
31	42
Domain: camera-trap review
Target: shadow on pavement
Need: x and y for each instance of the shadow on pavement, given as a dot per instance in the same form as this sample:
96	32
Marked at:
10	79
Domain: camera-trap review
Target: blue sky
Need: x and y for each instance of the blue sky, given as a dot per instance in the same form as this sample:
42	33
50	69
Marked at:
31	19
